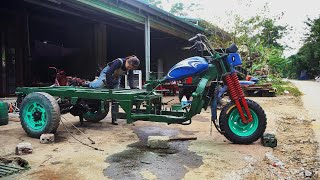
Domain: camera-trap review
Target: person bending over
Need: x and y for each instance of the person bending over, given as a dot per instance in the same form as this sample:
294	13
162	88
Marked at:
110	78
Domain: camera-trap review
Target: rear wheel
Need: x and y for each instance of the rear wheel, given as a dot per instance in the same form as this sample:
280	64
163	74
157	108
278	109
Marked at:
39	113
242	133
95	114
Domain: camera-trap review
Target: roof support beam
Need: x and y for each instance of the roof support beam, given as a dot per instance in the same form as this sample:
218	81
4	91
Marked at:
147	47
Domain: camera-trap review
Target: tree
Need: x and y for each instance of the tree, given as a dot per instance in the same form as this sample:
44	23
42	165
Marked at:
271	33
157	3
258	38
308	56
217	36
178	8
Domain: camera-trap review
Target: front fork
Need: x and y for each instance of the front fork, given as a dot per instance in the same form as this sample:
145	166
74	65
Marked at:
237	95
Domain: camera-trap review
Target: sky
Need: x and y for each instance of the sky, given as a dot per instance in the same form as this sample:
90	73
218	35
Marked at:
295	13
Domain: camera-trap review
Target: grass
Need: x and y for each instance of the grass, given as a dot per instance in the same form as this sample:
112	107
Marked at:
288	87
282	86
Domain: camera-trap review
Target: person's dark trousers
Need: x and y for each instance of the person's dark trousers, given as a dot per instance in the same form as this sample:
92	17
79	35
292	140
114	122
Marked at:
114	112
115	105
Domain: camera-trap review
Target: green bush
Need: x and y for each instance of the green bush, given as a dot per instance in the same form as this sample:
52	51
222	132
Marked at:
281	86
290	88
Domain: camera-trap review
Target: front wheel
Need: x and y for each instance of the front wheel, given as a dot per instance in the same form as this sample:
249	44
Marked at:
240	133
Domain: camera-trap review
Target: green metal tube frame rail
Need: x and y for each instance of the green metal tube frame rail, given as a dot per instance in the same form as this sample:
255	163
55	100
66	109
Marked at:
129	98
126	99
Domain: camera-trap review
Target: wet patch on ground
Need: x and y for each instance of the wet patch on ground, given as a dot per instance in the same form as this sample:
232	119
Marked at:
173	161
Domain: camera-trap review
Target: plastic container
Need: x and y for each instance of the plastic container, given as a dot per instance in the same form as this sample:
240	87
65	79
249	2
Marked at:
184	101
3	113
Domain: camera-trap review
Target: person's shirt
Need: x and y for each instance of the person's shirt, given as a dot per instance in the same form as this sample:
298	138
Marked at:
118	68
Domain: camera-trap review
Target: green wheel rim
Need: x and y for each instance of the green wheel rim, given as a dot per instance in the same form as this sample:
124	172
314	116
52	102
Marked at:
89	113
239	128
35	116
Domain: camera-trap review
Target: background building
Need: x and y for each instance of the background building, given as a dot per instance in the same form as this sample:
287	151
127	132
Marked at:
77	35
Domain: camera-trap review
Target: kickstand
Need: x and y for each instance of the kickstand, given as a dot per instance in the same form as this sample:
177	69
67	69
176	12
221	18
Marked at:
81	119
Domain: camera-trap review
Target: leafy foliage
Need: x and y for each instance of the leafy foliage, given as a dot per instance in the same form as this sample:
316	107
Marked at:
217	36
257	38
157	3
308	57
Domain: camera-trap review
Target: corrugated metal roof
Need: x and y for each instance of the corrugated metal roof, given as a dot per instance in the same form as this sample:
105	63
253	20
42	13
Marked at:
182	19
135	11
138	10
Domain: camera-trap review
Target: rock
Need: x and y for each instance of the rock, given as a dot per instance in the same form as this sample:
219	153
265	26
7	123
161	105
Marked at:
47	138
317	174
161	142
145	162
24	148
301	169
294	171
301	174
307	173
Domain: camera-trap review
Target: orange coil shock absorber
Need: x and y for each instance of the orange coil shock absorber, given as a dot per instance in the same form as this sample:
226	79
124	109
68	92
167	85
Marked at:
241	97
234	95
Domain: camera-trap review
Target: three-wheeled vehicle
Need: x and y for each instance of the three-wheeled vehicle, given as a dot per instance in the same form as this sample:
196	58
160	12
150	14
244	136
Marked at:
241	121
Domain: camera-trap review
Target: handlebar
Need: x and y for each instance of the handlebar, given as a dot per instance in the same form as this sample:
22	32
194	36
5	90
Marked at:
191	47
193	38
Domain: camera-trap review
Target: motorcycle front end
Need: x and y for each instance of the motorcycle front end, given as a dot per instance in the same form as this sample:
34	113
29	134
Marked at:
241	121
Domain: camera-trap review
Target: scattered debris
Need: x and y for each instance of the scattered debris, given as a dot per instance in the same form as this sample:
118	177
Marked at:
47	138
263	90
269	140
307	174
24	148
145	162
42	164
275	162
9	166
286	92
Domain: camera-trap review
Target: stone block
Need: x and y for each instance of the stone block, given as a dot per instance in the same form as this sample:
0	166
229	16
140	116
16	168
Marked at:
24	148
47	138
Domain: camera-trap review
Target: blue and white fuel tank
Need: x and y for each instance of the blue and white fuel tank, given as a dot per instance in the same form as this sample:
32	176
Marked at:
188	67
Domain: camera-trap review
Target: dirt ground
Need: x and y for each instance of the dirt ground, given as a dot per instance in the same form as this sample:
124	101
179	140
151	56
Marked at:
211	156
